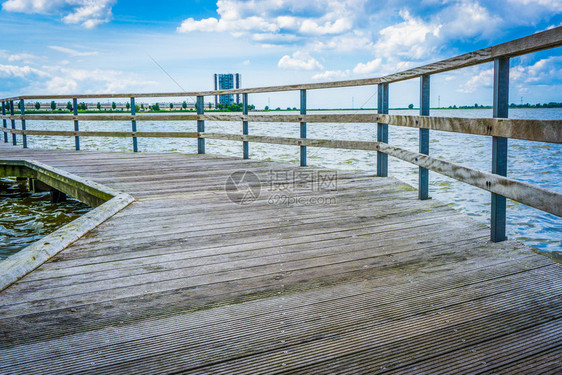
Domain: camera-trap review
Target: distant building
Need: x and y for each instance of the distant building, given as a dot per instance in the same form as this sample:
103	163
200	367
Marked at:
227	82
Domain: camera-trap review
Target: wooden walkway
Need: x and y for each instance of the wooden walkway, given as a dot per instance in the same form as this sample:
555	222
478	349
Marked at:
185	281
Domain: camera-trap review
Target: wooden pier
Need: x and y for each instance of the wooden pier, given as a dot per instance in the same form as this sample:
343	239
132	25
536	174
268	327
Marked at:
183	280
206	264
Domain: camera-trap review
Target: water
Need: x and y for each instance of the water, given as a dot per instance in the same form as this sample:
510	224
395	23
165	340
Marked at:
27	217
533	162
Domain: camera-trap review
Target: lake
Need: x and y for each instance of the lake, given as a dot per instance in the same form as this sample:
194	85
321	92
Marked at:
27	217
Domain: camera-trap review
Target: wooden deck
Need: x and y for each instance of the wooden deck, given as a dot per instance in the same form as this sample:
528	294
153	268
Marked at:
185	281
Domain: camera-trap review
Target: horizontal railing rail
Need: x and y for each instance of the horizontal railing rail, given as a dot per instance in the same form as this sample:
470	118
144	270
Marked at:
499	128
529	130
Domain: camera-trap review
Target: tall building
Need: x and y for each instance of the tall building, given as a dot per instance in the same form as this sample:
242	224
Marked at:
227	82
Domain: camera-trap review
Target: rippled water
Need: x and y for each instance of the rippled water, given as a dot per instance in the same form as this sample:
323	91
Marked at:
26	217
533	162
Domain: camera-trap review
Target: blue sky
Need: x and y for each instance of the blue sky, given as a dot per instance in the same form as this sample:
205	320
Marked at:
97	46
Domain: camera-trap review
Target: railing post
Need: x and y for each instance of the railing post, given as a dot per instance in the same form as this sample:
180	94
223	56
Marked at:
14	140
423	177
303	128
22	111
76	125
382	130
245	147
4	122
200	124
134	125
499	146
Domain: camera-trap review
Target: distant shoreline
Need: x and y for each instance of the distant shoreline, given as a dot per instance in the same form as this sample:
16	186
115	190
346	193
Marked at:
64	111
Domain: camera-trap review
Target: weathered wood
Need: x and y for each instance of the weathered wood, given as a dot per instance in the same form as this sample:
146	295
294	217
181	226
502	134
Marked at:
176	282
67	133
33	256
537	197
106	117
532	130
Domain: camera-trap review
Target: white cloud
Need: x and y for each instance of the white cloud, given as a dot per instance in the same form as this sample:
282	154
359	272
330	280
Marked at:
469	19
62	80
357	40
11	71
67	80
484	79
60	85
292	19
368	67
275	39
32	6
553	5
417	39
337	27
299	61
26	58
73	52
543	71
208	24
330	75
88	13
236	26
412	38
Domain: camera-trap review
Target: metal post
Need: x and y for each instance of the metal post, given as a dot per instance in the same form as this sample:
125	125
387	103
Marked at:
499	146
245	147
134	125
22	109
76	126
4	122
14	140
303	127
200	124
423	177
382	130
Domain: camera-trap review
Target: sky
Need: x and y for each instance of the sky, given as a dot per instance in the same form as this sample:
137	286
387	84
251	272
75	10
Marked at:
116	46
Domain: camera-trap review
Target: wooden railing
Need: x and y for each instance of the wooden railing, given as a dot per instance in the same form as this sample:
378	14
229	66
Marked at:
499	128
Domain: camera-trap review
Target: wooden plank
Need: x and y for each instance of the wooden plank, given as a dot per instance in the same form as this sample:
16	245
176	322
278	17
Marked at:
531	130
543	199
313	302
180	334
17	266
106	117
178	283
466	278
67	133
239	352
